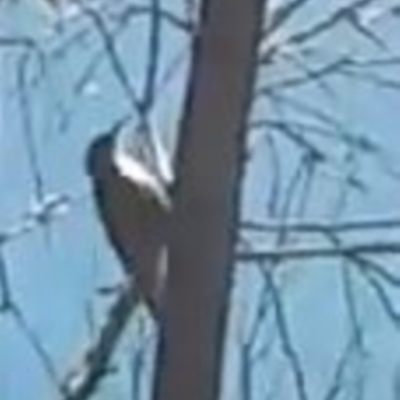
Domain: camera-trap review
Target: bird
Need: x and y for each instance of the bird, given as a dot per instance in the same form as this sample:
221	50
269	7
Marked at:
131	188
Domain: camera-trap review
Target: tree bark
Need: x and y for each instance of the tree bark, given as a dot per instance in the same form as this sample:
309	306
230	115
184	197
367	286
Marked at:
206	203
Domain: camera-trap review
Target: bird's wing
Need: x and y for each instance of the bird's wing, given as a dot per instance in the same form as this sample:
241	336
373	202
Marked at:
112	213
136	228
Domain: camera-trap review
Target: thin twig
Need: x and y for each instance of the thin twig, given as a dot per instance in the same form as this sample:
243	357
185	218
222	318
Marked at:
288	253
368	223
286	340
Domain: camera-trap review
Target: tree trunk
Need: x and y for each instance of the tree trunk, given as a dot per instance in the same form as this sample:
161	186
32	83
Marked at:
206	202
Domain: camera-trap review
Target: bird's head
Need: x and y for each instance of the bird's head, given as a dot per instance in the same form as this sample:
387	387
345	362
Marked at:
99	156
114	155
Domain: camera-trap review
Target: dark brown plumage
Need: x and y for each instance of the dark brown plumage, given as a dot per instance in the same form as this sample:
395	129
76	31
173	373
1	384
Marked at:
134	221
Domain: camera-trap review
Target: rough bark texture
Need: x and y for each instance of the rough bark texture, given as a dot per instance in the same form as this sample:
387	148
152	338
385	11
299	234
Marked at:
206	201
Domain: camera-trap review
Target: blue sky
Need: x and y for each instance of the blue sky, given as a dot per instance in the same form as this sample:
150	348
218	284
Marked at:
54	272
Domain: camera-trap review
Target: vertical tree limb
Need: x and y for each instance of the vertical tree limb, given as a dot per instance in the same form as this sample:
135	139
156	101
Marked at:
206	201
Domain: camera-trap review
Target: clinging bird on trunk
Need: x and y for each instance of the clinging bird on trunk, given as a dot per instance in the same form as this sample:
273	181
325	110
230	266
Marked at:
131	179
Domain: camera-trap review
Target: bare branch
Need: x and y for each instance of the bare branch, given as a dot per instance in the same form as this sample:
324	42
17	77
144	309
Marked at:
317	252
384	299
82	382
153	56
37	345
286	341
339	15
51	207
116	63
166	15
6	301
337	385
27	127
282	15
9	307
367	223
310	76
